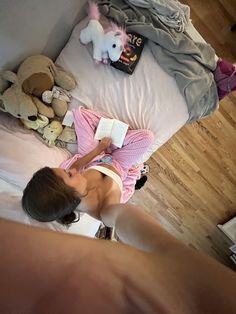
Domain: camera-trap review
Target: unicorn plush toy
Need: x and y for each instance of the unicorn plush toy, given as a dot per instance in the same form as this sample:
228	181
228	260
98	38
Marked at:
106	45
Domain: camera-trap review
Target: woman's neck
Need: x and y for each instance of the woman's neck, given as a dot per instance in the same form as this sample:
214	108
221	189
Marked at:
92	201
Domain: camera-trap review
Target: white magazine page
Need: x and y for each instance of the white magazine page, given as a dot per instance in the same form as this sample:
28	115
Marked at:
104	128
119	130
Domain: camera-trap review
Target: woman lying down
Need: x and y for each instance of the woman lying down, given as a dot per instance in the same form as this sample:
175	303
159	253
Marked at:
98	176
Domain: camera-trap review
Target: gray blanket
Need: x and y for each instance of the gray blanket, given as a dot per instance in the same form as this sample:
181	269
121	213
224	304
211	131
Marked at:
171	12
190	63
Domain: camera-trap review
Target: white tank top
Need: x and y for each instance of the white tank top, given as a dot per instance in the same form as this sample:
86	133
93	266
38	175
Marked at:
110	174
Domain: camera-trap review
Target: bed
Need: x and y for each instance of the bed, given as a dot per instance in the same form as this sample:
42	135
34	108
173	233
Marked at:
142	100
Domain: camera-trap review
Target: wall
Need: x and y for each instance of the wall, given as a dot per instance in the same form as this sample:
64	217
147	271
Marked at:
35	26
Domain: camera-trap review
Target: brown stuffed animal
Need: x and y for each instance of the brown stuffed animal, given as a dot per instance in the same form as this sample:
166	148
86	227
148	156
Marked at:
36	75
39	73
20	105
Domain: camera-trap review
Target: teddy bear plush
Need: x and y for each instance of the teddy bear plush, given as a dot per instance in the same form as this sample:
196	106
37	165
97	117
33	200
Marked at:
20	105
23	98
38	73
52	131
55	134
58	98
35	75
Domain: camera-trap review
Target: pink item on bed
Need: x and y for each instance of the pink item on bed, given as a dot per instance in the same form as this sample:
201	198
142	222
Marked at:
123	159
225	78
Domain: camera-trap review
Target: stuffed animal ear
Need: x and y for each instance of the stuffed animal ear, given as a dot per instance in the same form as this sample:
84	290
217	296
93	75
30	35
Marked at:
3	84
2	108
123	36
10	76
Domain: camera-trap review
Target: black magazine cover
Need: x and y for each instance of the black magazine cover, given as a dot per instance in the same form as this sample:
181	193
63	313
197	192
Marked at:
131	54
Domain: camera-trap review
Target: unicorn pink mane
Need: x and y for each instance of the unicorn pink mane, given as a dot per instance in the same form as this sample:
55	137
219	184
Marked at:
118	30
93	11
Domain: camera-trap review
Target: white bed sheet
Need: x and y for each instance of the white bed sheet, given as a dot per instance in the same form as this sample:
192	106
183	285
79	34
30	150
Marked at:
149	98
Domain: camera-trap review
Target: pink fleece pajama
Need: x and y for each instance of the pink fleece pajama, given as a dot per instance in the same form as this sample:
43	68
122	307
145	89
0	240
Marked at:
135	144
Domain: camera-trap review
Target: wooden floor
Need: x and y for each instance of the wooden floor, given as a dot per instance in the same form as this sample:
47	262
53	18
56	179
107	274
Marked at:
192	184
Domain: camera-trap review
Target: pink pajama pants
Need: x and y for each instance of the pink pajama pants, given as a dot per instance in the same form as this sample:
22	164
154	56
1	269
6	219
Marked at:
135	145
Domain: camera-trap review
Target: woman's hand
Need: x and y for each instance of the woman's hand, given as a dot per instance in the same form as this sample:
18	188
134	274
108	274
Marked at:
104	144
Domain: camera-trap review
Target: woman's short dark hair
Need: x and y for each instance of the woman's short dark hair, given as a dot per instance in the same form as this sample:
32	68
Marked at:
47	197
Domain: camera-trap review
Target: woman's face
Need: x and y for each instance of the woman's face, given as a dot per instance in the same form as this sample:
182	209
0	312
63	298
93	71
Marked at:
73	178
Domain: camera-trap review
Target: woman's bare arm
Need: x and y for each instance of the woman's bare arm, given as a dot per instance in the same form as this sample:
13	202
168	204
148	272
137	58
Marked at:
205	285
61	273
102	145
136	228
